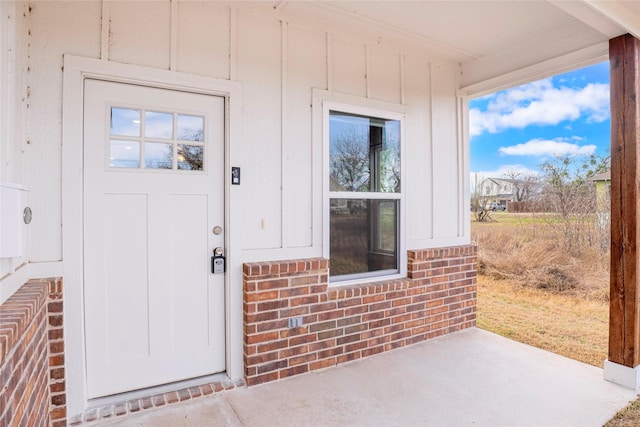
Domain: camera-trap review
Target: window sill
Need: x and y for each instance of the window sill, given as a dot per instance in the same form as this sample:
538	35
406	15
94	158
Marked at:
368	286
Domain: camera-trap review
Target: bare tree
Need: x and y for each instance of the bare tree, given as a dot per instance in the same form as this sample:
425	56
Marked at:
569	194
480	200
190	157
349	161
523	185
562	186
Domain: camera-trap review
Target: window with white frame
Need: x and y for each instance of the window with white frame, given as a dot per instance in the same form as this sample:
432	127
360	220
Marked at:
365	192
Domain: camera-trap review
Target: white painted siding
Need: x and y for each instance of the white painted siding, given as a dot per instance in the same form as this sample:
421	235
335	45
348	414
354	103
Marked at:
203	39
259	68
53	31
348	66
383	75
306	68
277	63
419	164
139	32
447	179
12	141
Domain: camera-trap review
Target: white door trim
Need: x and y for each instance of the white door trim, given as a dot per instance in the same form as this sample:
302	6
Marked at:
76	70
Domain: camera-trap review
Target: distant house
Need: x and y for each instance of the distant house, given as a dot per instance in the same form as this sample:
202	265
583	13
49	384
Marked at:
501	191
602	183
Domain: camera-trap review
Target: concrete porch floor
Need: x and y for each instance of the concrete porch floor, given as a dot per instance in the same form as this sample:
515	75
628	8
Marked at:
470	378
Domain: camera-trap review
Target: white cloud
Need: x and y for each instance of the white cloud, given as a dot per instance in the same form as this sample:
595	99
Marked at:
540	103
545	147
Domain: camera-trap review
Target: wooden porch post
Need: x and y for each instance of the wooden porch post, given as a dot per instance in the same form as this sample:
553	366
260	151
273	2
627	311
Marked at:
624	317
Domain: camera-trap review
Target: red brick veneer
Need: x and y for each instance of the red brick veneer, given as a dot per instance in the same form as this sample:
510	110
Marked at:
27	364
57	370
346	323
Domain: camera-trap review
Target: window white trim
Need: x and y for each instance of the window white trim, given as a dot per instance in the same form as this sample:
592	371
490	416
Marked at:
323	103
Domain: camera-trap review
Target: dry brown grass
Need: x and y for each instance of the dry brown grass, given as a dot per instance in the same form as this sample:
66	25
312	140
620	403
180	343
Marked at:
538	288
563	324
627	417
536	253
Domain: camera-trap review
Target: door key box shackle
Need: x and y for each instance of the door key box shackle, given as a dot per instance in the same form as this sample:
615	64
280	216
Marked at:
217	261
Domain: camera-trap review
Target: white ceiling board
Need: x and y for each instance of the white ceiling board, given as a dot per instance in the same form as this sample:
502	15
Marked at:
467	26
633	5
489	40
558	42
548	68
583	12
341	20
625	14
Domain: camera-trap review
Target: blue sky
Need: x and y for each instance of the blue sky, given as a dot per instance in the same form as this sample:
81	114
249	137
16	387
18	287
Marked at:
519	128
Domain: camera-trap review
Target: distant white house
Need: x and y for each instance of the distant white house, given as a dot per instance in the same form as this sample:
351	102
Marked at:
498	192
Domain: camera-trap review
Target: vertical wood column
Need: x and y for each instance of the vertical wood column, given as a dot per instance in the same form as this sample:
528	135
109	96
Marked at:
624	317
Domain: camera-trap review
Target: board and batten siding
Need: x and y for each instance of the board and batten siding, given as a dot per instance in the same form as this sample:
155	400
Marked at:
278	63
12	97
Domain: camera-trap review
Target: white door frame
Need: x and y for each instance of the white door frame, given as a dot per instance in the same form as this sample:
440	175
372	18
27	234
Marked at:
76	70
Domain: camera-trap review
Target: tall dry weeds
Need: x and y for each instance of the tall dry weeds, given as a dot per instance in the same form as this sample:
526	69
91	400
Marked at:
544	254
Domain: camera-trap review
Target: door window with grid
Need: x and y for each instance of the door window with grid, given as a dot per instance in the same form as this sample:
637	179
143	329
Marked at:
145	139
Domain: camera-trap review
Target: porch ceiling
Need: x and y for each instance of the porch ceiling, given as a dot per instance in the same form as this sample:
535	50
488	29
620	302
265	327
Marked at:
497	43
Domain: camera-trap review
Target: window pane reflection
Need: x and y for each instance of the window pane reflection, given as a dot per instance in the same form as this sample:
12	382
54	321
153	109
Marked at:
156	140
158	155
124	154
364	153
190	157
363	236
125	122
190	128
158	125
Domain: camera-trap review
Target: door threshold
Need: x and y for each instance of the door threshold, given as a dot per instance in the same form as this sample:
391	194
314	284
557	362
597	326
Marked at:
153	397
109	407
155	390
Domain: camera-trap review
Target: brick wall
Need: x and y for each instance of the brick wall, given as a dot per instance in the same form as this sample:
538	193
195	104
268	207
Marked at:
23	357
341	324
27	364
55	336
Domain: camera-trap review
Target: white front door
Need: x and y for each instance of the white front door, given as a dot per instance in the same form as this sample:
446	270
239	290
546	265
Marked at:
153	213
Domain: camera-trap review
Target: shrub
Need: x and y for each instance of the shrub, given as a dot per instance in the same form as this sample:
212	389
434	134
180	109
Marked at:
538	254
